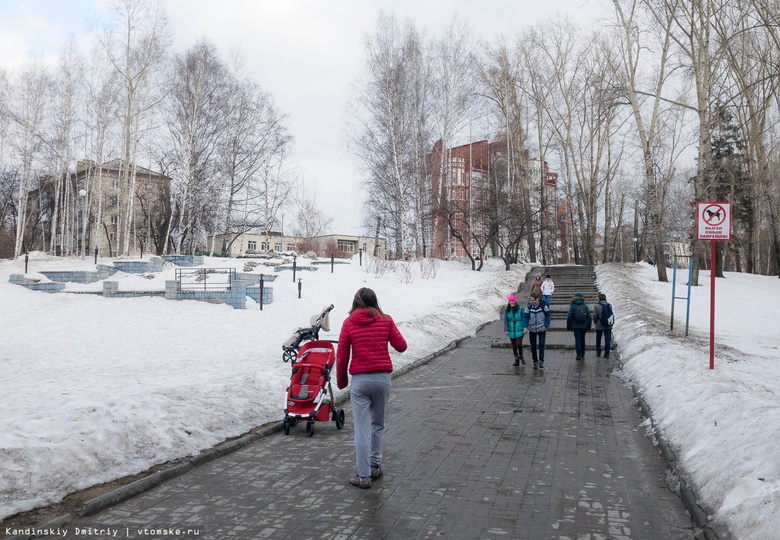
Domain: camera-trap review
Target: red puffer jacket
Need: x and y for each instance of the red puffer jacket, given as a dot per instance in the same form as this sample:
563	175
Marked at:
366	333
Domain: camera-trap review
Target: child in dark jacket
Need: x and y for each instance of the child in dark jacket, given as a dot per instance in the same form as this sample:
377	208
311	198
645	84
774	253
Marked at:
579	327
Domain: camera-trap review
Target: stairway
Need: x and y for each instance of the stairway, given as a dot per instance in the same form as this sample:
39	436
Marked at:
568	280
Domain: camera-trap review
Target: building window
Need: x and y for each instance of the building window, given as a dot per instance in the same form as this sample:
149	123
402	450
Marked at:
111	236
148	186
251	244
278	247
346	246
265	246
290	247
114	201
114	220
115	184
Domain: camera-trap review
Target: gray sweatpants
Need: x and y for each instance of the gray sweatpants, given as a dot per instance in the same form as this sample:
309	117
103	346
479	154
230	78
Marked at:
369	393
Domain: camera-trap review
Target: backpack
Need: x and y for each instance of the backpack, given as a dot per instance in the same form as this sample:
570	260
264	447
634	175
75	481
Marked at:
607	316
580	312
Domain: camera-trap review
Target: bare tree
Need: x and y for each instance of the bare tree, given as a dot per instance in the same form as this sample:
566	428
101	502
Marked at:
583	115
254	161
385	133
100	140
452	99
311	220
752	42
61	146
28	113
647	116
136	44
501	80
194	116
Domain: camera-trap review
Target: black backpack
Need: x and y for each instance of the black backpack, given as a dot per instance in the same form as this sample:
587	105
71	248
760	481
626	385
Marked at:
607	316
580	312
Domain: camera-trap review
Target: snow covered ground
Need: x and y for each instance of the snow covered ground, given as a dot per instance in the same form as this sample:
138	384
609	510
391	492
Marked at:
93	388
96	388
723	424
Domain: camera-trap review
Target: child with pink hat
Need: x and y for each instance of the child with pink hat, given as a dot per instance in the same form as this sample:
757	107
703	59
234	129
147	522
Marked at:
513	328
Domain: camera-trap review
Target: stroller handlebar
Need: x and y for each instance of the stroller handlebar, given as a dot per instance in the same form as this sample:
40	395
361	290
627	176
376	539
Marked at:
309	333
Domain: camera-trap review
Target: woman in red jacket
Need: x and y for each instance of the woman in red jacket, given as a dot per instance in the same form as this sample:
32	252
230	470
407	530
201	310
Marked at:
366	333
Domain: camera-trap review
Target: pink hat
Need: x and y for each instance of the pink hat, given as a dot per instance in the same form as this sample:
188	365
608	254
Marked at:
512	298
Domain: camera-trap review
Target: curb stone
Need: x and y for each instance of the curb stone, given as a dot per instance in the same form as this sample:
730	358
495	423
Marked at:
687	494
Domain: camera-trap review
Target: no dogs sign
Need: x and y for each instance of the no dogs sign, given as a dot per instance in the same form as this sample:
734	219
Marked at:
713	221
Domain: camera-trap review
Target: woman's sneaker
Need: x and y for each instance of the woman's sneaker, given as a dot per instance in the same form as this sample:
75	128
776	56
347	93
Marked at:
360	482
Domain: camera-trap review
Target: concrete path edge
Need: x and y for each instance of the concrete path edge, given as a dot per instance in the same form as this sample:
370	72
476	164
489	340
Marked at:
127	492
687	494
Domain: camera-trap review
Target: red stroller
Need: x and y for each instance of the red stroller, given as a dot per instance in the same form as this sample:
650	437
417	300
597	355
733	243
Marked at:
310	394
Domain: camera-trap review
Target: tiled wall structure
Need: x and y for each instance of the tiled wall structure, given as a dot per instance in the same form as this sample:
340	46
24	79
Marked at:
245	285
235	297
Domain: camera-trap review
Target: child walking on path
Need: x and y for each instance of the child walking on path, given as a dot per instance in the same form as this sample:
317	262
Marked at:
536	286
536	319
513	328
603	319
579	320
366	333
548	287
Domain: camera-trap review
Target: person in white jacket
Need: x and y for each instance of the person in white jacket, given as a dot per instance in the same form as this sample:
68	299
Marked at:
548	287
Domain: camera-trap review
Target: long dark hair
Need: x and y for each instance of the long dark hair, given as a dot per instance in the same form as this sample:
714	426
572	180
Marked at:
366	298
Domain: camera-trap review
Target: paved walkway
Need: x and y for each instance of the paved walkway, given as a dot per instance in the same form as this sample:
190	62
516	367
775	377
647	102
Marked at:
475	449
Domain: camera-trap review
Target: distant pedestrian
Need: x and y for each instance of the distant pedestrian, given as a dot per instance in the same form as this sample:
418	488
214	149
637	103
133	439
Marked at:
536	321
536	286
603	319
548	287
579	320
366	333
513	328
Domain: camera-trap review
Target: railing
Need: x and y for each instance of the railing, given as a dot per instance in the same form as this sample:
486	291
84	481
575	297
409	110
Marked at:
205	279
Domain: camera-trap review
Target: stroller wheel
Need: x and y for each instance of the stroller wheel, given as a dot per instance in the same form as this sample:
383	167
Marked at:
293	421
310	428
339	418
286	426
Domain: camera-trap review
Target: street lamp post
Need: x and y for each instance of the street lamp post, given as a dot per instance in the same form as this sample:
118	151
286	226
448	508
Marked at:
636	249
82	195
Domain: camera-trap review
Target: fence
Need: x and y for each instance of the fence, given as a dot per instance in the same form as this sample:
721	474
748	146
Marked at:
205	279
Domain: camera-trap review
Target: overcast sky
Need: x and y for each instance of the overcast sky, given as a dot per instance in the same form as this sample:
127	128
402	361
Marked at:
308	54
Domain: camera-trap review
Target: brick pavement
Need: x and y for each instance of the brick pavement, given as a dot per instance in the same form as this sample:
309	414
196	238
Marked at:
475	448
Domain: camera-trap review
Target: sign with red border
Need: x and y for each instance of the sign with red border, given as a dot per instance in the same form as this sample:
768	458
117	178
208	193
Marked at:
713	221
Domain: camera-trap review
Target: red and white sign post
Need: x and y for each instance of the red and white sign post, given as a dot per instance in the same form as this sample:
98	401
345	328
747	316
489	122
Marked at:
713	222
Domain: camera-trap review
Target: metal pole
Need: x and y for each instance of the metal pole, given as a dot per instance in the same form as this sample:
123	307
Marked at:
360	251
26	258
96	252
82	194
299	287
294	267
674	286
332	259
712	304
262	287
636	249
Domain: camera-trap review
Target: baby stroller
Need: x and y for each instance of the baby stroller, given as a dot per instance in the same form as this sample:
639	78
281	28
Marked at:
318	321
310	394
